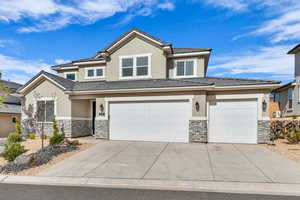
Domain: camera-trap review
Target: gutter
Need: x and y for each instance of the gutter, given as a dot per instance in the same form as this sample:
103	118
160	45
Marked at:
140	90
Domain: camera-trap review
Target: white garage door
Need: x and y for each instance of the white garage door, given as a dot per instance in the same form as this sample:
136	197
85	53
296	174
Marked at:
150	121
233	122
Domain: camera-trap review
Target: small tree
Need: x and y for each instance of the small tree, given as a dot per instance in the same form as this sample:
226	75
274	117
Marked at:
18	126
4	92
56	137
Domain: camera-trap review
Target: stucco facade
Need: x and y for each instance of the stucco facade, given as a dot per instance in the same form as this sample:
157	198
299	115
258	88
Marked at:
83	107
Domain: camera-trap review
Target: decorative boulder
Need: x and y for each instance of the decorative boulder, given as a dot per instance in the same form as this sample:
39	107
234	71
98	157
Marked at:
22	160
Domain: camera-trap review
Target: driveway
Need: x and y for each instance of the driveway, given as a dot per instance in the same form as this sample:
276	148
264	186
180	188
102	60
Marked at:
179	161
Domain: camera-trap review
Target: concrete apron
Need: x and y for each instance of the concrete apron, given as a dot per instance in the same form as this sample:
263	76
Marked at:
201	186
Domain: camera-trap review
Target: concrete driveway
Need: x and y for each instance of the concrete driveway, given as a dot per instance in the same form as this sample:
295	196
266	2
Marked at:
179	161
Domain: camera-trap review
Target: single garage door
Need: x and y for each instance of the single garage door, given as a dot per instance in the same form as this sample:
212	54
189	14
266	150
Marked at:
150	121
233	122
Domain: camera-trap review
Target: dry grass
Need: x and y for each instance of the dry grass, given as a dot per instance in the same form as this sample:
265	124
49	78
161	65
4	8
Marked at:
35	145
291	151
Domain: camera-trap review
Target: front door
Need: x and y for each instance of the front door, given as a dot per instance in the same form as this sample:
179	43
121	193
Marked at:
93	116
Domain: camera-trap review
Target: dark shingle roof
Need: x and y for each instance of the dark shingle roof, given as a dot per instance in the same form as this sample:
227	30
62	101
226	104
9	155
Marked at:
13	86
150	83
294	50
67	84
190	50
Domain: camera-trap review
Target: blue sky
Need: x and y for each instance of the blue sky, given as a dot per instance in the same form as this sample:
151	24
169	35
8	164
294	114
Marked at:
249	38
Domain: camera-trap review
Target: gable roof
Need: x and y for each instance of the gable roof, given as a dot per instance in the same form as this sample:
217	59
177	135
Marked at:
138	32
295	50
134	31
63	83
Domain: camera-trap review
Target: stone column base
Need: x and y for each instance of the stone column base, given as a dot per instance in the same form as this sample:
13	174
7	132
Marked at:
198	131
263	131
102	129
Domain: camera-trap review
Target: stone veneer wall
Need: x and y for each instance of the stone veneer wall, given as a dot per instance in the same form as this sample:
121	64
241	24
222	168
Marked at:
198	131
263	131
102	129
70	128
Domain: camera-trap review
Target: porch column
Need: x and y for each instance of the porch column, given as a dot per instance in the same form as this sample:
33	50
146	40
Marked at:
101	120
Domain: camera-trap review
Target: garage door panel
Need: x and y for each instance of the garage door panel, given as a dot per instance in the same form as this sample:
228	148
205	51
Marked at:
233	122
150	121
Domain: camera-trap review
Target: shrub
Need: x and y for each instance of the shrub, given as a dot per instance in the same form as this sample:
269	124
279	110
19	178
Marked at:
14	138
18	126
57	138
12	151
31	136
293	137
43	136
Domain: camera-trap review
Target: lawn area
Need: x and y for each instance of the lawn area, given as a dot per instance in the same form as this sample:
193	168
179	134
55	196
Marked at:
291	151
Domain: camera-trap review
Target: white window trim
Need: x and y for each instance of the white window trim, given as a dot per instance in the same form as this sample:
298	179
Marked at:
288	100
46	99
135	67
66	73
185	60
95	76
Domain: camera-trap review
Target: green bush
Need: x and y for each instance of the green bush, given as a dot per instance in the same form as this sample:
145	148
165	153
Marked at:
293	137
43	136
31	136
18	126
12	151
57	138
14	138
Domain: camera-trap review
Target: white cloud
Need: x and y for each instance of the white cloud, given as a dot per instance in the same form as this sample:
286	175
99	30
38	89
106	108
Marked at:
47	15
166	6
268	60
236	5
285	26
20	70
61	61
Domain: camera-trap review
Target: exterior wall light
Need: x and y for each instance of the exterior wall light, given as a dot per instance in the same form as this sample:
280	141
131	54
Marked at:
101	110
197	106
264	105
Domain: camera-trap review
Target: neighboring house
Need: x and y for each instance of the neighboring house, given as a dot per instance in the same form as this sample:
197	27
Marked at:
10	110
142	88
288	95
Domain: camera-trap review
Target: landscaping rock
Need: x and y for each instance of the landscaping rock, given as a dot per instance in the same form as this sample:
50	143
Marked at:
41	157
22	160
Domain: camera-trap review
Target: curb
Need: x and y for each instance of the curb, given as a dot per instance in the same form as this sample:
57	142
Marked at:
200	186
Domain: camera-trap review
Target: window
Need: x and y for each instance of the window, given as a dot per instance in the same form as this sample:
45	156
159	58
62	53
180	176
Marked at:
290	98
94	72
276	97
135	66
45	110
185	68
71	76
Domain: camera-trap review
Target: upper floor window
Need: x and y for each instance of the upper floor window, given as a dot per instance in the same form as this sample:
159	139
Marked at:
137	66
94	72
71	76
290	98
45	110
185	68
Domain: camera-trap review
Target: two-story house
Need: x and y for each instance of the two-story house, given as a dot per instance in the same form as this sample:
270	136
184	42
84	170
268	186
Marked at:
288	95
142	88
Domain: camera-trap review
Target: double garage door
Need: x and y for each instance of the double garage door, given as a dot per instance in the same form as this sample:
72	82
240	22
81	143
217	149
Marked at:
229	121
150	121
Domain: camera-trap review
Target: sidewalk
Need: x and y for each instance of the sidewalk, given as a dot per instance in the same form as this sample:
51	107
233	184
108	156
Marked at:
203	186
